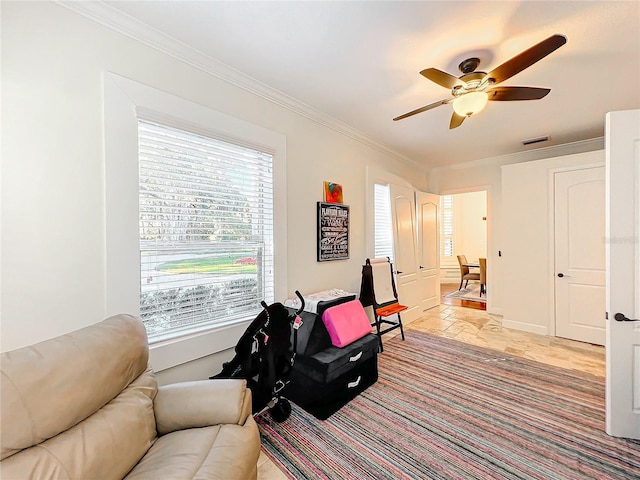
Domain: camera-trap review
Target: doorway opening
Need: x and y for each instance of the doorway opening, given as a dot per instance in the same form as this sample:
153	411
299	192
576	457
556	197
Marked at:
446	226
463	231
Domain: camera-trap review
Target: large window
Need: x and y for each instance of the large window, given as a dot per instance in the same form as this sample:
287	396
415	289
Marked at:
206	229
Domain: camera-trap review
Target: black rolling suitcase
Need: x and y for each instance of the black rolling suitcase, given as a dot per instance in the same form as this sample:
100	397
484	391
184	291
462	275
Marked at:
324	382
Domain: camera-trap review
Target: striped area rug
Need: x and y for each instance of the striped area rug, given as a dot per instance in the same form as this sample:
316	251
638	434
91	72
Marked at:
447	410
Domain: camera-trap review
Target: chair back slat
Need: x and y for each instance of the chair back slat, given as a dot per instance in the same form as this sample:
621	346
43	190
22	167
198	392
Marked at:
383	285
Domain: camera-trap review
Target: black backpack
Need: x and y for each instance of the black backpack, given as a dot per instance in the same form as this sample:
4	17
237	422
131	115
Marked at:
263	354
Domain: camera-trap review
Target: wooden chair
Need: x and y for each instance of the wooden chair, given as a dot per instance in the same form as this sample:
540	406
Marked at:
483	276
464	272
378	289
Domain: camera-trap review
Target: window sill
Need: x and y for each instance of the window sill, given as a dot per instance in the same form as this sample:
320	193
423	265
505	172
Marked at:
168	353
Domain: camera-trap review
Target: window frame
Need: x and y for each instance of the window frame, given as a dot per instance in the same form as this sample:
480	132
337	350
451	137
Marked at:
155	139
377	175
124	101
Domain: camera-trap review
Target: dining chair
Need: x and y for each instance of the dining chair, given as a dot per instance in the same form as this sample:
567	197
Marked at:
483	275
464	272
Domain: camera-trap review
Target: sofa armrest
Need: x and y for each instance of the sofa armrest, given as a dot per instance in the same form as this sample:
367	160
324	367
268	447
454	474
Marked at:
201	403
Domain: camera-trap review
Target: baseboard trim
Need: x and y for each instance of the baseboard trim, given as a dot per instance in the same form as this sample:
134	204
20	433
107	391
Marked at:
525	327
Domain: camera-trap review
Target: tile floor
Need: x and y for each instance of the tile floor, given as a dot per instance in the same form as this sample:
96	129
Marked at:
478	327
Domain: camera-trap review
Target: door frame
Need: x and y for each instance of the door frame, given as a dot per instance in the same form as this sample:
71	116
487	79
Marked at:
551	265
490	257
377	175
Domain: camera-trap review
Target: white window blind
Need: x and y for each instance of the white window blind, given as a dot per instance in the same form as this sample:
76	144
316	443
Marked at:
446	226
383	243
206	229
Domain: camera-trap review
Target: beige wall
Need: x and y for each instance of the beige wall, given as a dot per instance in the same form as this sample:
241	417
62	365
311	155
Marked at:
527	255
486	175
53	207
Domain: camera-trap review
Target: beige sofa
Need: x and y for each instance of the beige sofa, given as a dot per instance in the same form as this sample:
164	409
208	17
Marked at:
87	406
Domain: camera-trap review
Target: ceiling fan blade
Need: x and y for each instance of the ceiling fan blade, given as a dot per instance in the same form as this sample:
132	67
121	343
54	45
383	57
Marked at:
424	109
517	93
527	58
441	78
456	120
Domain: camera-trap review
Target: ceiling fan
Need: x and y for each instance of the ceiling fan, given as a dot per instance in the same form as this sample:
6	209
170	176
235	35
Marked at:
471	91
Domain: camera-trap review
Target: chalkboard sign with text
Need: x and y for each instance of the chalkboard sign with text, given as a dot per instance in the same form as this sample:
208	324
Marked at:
333	231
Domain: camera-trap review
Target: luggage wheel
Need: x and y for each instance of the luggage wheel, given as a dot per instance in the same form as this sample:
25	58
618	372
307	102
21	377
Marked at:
281	410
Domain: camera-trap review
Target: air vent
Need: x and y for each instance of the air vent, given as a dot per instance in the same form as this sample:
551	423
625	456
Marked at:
535	140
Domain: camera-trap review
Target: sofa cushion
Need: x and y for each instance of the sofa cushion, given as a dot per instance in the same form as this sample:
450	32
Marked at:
201	403
46	389
219	452
107	445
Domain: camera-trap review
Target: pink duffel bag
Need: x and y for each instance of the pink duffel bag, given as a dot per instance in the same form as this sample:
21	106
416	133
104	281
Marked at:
346	323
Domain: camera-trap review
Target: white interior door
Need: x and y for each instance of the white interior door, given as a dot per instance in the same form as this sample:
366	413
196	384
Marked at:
623	274
580	255
404	249
428	249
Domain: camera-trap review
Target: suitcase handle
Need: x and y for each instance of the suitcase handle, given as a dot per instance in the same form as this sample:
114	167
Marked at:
355	383
355	358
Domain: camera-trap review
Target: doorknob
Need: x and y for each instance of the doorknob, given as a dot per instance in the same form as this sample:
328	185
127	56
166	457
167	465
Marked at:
421	267
563	275
398	272
620	317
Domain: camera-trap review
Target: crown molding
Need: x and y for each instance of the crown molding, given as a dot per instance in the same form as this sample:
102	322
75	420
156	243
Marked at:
551	151
120	22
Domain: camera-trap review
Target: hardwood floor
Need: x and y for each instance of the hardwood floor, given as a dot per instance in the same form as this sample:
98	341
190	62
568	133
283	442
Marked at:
446	288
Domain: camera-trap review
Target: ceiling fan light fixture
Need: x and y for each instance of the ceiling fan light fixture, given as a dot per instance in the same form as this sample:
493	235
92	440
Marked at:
469	91
470	103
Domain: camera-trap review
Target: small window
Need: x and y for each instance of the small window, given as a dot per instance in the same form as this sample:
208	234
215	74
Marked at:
446	226
383	246
206	229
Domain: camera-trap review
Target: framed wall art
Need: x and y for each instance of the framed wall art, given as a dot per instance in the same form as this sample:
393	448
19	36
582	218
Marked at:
332	192
333	231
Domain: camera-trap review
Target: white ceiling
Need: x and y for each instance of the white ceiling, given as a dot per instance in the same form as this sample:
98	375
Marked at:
359	63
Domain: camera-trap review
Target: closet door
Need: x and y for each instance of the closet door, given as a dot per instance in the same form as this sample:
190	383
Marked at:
579	254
